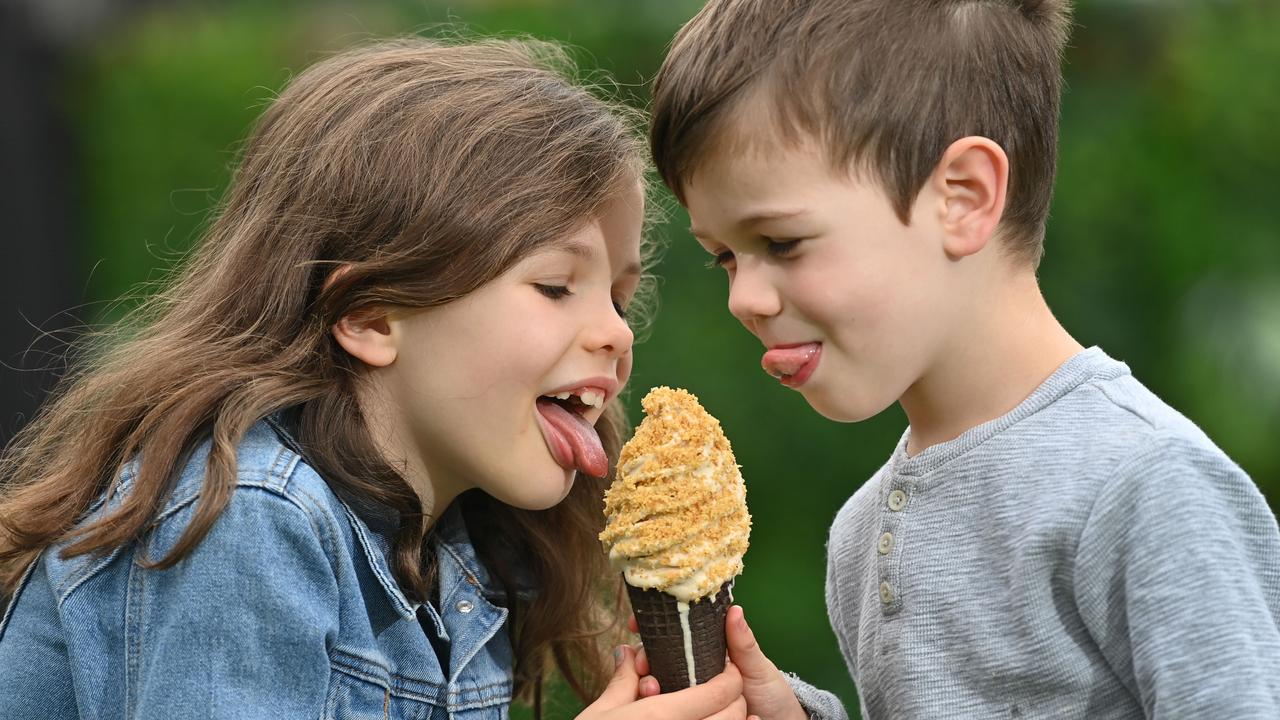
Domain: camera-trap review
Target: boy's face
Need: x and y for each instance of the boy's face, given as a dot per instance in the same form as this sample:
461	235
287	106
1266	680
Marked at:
852	306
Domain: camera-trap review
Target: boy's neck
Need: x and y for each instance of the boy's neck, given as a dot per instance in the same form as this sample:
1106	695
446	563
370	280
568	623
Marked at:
1005	353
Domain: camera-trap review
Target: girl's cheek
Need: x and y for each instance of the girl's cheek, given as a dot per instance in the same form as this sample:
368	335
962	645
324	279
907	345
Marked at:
624	368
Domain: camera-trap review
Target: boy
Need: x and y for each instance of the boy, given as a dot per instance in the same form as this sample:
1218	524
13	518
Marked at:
1049	538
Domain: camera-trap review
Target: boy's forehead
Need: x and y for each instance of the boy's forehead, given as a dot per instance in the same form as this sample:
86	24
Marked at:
753	139
753	128
766	164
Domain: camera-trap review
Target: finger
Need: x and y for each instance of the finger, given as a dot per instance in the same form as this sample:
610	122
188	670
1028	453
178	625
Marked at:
744	651
623	686
642	661
697	702
632	625
737	710
649	686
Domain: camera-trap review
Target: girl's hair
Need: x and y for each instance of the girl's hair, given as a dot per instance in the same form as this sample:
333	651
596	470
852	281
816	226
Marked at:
427	169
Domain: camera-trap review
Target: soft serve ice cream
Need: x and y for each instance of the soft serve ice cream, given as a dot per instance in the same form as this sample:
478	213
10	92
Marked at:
677	519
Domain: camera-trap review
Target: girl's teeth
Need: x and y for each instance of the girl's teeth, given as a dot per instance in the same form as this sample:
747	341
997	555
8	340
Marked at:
590	398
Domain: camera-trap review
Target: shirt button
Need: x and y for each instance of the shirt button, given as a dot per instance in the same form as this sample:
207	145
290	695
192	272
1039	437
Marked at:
465	606
897	500
886	592
886	543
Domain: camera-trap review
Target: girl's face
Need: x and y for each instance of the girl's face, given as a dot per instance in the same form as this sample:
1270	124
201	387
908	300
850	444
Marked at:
473	384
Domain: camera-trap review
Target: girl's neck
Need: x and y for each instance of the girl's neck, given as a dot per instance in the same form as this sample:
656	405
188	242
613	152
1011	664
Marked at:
396	444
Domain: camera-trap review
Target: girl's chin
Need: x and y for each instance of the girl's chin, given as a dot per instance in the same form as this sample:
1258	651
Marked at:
551	485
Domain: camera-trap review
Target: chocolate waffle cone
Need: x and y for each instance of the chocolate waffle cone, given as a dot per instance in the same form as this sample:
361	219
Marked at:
658	616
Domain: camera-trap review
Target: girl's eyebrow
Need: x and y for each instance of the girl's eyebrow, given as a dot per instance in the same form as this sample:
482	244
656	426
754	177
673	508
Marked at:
586	252
577	249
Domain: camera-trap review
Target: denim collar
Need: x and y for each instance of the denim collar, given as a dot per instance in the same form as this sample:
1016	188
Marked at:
375	526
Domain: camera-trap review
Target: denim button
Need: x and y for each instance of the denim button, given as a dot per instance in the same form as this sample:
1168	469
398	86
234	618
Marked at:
465	606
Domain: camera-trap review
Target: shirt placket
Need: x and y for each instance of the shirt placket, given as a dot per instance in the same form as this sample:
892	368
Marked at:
894	505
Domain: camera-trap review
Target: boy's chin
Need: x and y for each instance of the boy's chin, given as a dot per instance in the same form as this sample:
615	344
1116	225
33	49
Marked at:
841	409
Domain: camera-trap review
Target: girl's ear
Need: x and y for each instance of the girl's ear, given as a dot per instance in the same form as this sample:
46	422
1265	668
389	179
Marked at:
368	336
972	180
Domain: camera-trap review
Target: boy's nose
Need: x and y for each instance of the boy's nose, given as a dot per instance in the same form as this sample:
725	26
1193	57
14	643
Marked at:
752	296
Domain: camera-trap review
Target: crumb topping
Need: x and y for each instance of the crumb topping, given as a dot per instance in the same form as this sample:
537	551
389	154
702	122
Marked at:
677	516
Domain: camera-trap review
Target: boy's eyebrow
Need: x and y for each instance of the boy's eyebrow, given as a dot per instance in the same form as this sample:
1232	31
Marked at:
585	252
755	217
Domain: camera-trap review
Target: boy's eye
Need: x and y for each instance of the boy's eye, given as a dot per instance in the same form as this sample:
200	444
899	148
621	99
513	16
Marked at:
555	292
778	248
772	247
622	312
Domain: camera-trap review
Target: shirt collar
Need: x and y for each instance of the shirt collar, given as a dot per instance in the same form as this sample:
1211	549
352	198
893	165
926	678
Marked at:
375	526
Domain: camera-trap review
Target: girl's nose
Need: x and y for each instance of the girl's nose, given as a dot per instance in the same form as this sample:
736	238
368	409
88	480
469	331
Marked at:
610	333
752	295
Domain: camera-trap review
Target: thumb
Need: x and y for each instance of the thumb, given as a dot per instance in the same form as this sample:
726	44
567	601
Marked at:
744	651
624	686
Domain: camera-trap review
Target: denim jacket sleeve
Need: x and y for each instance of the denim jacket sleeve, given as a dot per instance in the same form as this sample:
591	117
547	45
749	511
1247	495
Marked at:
240	627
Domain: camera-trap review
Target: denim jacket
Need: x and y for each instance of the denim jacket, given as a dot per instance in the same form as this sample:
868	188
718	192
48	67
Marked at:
287	609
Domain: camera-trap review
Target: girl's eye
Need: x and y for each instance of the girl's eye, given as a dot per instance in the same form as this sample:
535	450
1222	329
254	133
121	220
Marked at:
622	312
720	260
779	248
555	292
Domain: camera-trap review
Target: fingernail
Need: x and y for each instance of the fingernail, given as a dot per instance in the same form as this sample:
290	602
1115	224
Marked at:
742	618
617	657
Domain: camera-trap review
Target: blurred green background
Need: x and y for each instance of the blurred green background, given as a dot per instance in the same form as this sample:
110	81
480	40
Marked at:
1163	246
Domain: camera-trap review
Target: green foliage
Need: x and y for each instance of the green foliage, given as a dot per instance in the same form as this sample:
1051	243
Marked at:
1163	246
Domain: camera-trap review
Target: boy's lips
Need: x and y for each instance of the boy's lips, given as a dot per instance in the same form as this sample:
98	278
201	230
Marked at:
792	364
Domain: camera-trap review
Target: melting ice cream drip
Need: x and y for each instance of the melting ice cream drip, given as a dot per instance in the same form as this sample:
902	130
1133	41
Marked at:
683	607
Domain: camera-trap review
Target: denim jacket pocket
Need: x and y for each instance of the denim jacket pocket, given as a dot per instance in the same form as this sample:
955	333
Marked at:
358	690
363	689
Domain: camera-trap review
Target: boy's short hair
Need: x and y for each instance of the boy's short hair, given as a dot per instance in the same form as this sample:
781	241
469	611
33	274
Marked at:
885	85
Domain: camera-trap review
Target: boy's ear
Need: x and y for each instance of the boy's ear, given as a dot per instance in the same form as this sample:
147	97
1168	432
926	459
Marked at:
971	180
367	335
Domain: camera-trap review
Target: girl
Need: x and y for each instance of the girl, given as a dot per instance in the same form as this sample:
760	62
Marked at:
350	464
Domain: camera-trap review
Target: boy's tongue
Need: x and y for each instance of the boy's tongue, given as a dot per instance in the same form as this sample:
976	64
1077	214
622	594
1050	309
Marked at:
779	362
573	442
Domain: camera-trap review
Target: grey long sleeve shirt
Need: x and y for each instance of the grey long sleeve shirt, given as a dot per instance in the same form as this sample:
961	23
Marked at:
1091	554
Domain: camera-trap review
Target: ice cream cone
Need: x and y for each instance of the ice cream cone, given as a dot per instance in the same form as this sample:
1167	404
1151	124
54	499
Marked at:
677	635
676	526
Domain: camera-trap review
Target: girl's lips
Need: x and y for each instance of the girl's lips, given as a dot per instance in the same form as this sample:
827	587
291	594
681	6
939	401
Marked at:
572	440
792	364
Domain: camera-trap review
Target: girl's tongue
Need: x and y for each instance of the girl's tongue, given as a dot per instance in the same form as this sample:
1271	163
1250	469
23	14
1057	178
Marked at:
573	442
